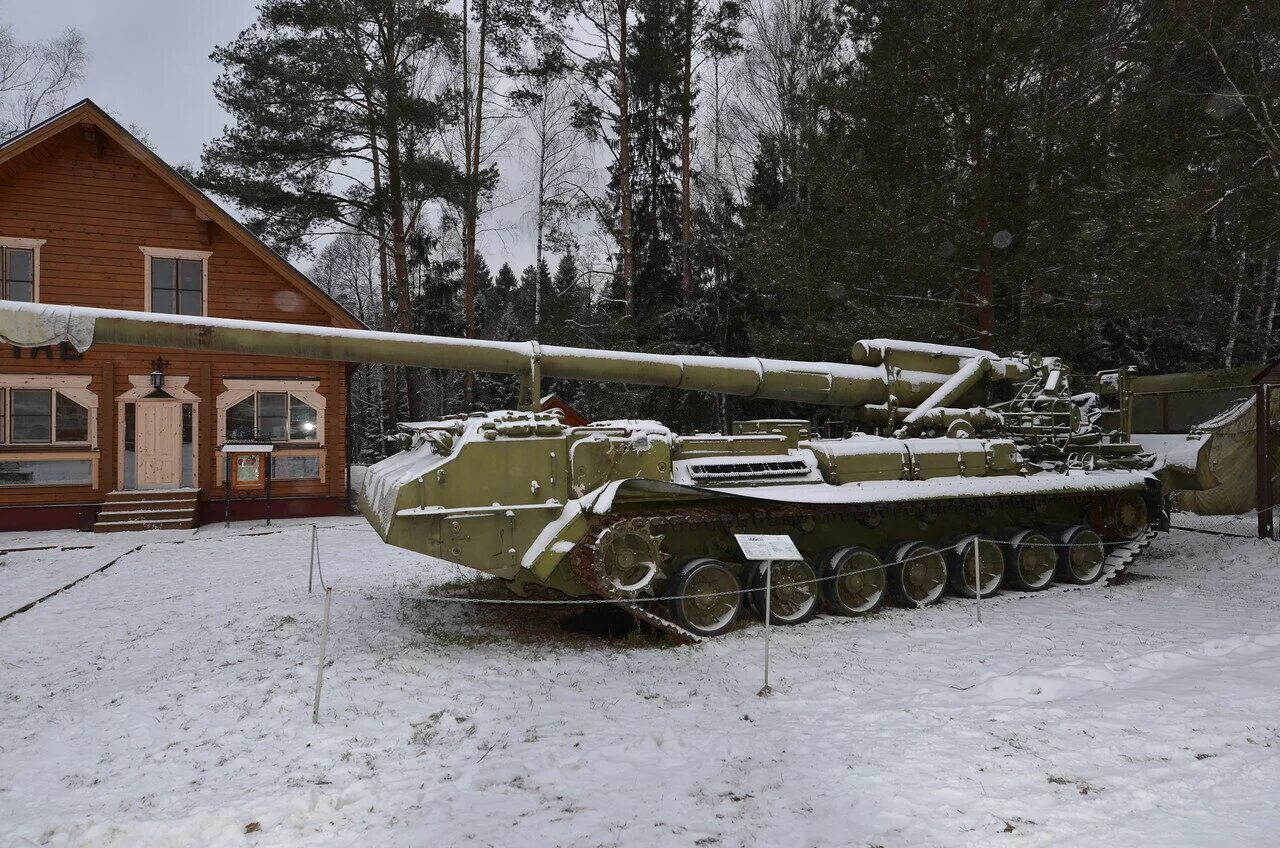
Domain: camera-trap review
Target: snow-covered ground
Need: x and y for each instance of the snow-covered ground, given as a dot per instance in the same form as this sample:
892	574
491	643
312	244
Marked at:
166	701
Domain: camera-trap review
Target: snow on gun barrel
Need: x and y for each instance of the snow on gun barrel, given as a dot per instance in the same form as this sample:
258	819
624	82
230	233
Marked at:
909	380
957	457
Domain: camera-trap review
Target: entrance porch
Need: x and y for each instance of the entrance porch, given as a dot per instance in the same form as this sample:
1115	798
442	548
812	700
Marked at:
151	509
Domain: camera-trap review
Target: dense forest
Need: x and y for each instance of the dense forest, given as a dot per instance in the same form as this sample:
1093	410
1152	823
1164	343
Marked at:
1095	178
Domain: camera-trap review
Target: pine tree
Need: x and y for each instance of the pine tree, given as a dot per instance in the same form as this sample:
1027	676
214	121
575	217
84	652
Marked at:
506	282
535	281
568	305
568	321
318	87
595	44
656	86
947	181
503	28
708	29
557	156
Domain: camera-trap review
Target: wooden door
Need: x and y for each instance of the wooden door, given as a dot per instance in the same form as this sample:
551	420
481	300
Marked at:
159	444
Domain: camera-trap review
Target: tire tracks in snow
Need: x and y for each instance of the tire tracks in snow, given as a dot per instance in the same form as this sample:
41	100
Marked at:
33	604
61	589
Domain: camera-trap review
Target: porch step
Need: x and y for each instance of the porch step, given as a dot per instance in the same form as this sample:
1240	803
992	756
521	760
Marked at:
149	500
145	514
151	495
145	524
118	506
168	509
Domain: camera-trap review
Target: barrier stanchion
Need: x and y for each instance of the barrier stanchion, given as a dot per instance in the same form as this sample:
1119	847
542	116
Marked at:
324	643
315	555
316	566
768	609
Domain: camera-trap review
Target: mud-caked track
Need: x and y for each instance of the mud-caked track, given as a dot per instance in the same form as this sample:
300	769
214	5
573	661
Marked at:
935	522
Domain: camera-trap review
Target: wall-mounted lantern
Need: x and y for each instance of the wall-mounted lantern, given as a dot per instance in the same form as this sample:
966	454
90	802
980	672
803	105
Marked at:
157	373
157	378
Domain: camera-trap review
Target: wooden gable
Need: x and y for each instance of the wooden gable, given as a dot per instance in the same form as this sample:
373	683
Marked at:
97	196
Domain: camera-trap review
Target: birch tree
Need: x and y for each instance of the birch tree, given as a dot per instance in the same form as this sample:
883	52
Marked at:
37	76
554	152
595	43
708	30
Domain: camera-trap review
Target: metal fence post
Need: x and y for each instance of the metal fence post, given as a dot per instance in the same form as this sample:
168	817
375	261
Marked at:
768	610
324	643
1262	439
311	573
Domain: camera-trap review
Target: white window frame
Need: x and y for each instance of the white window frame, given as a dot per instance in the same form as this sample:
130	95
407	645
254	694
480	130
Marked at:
34	246
305	390
91	456
203	256
76	388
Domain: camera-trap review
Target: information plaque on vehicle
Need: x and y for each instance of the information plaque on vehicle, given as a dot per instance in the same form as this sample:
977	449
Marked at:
760	546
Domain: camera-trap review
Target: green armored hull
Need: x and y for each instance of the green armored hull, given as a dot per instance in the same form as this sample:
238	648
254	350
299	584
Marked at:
616	509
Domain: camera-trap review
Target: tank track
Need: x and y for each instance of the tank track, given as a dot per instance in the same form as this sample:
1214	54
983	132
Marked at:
582	558
1120	558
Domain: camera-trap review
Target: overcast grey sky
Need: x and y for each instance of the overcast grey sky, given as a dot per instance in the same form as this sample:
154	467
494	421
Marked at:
149	65
148	60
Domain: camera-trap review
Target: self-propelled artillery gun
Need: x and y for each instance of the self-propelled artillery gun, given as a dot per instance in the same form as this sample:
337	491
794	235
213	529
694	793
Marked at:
961	471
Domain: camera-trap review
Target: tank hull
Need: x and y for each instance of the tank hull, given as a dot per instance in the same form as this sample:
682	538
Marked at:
867	491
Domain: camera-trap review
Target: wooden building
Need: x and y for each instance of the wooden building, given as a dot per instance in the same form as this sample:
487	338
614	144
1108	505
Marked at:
126	437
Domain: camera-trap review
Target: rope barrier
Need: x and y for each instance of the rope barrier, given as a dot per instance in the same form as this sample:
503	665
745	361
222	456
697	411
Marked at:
450	599
769	589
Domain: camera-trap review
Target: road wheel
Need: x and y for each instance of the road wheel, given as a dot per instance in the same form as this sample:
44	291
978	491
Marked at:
853	581
960	566
1121	517
1032	559
917	575
794	597
1081	557
705	596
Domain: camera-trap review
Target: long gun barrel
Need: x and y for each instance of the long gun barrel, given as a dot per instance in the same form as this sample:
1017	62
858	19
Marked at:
835	384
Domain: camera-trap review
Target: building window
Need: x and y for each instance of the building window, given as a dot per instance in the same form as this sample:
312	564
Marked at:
177	286
177	281
19	266
20	269
272	417
129	463
47	430
286	412
46	472
42	417
295	466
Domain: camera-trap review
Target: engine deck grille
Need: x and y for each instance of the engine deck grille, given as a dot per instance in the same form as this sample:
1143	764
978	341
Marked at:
762	468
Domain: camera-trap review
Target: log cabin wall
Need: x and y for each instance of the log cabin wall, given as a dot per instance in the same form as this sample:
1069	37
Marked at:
93	205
